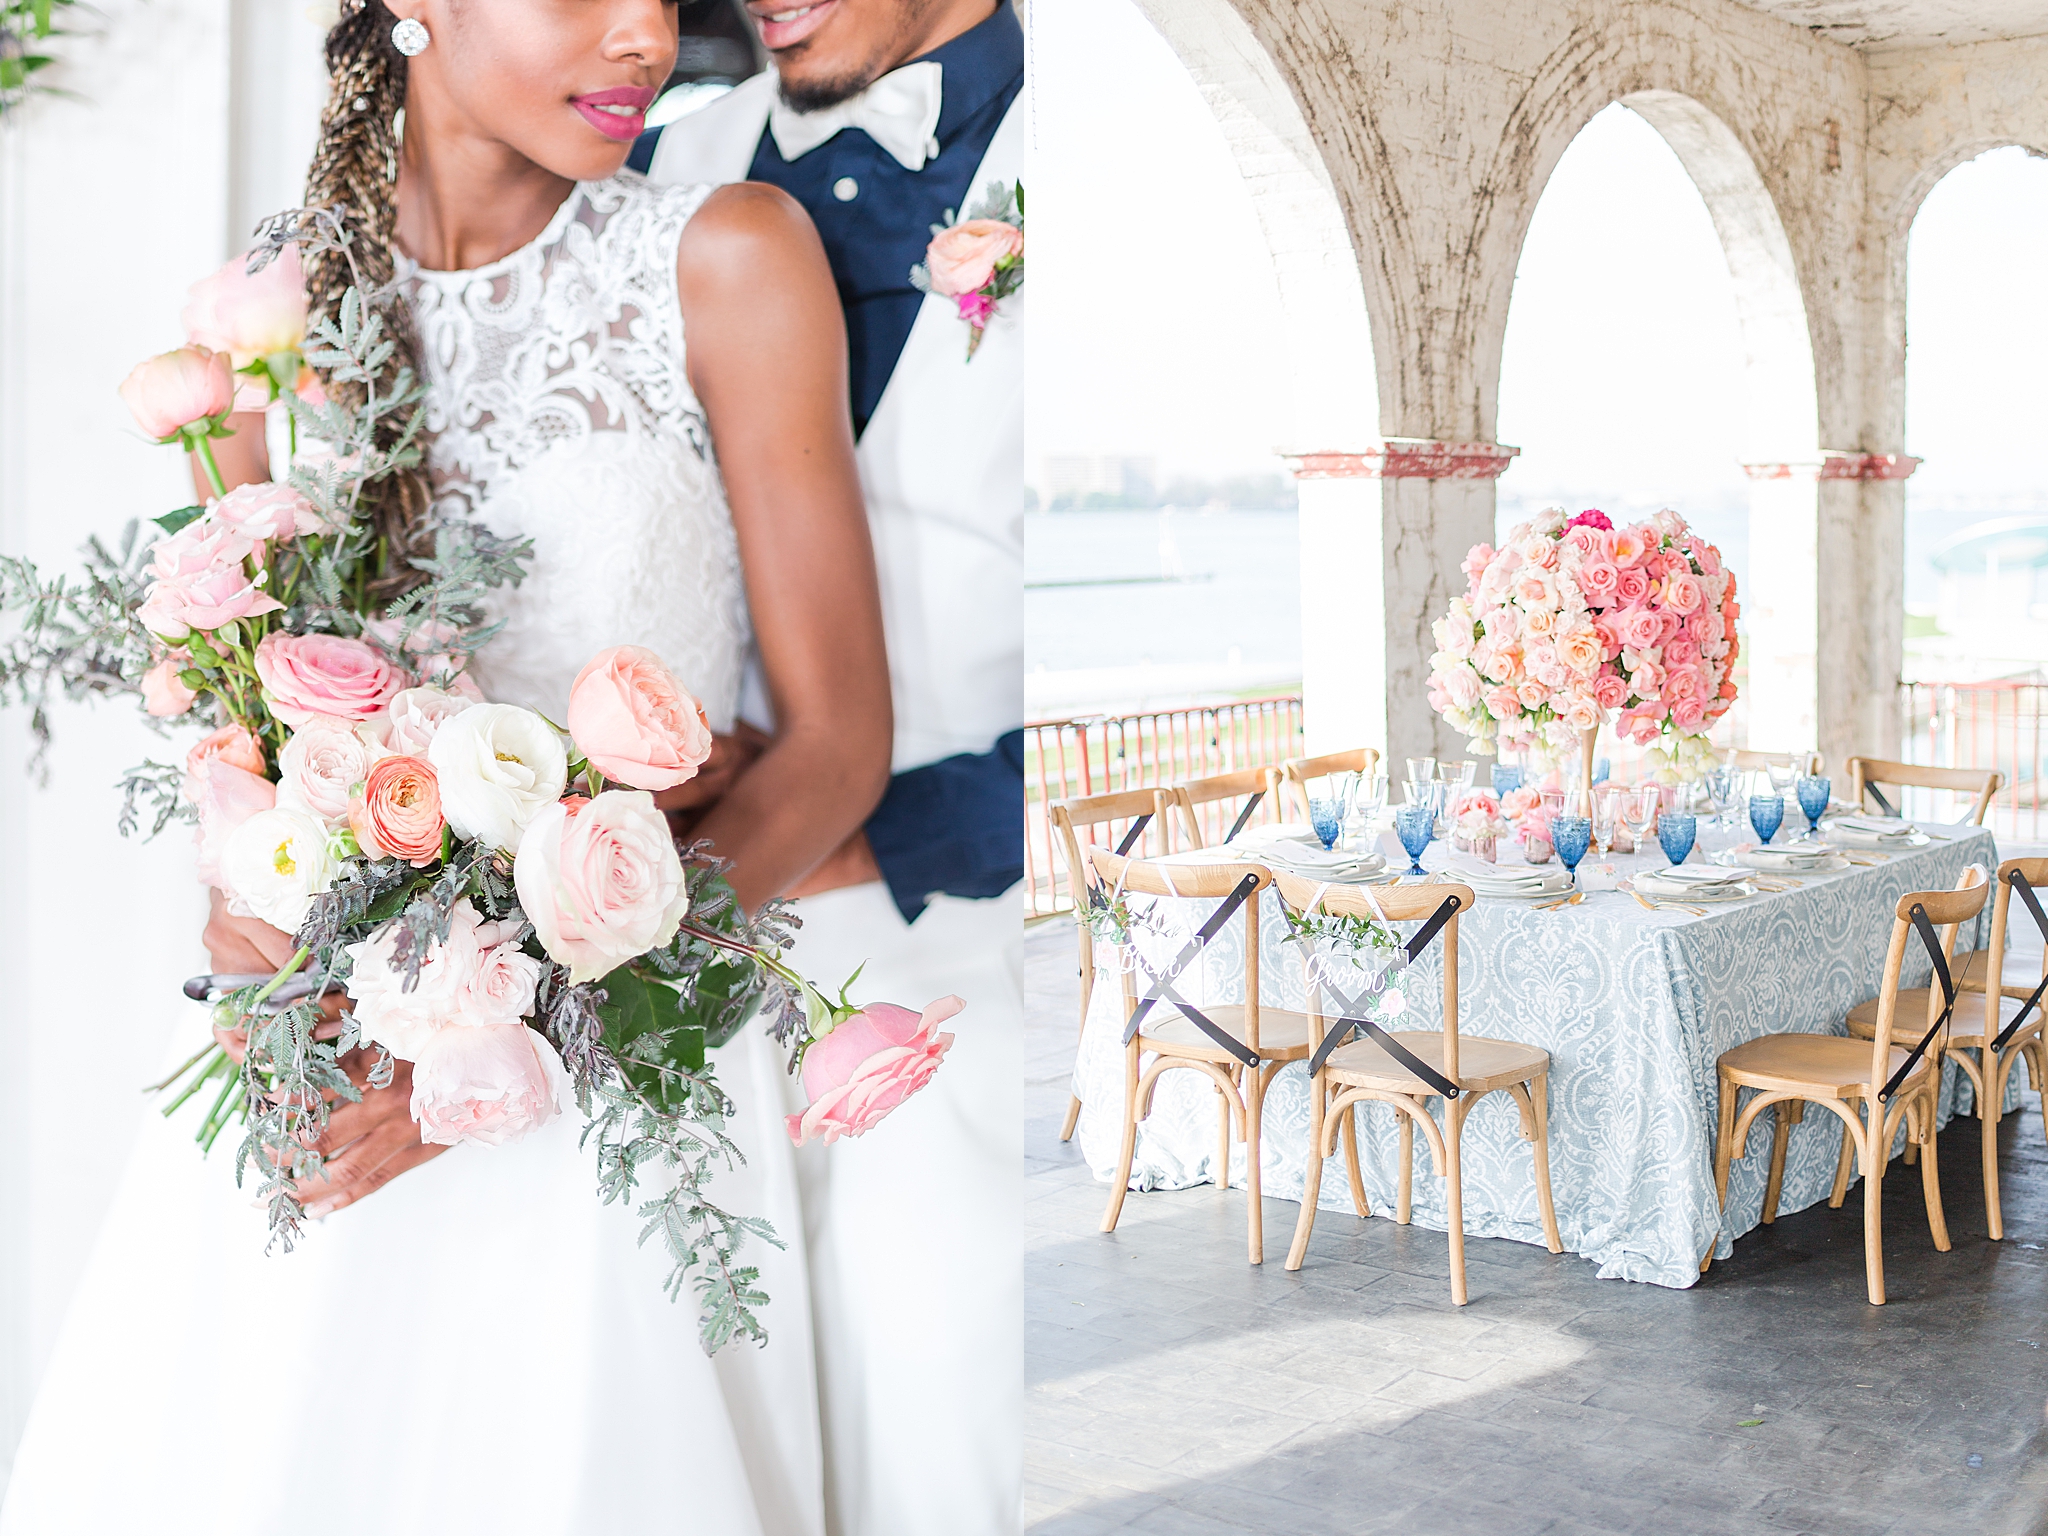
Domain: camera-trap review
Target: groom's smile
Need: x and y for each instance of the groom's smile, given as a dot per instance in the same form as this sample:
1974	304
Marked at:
784	25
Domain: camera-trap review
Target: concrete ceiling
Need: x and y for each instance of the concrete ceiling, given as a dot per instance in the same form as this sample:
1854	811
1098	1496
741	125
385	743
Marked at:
1885	24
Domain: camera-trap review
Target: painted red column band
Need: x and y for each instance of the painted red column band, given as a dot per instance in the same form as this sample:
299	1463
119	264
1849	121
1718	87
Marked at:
1837	466
1406	458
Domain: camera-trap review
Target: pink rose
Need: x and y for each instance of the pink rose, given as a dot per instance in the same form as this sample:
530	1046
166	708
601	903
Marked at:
1647	679
1683	683
1682	593
1681	652
1687	714
163	695
231	744
1461	687
1628	544
1640	628
249	316
1477	558
403	1017
1709	558
1584	541
175	390
319	768
502	990
199	579
1703	626
963	258
1533	695
308	675
1581	650
1545	667
266	511
1631	586
1582	714
226	791
634	721
415	716
867	1066
491	1085
603	885
1597	579
1609	690
1502	703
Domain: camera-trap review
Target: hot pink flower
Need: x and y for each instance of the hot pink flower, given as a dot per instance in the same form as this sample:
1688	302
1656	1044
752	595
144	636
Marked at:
1591	518
308	675
975	308
867	1066
174	390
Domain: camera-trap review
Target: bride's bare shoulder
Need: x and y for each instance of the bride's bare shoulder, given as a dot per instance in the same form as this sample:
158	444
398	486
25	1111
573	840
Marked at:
749	233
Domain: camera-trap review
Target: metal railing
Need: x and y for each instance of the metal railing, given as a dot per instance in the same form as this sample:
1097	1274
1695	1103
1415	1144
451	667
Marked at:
1993	724
1099	754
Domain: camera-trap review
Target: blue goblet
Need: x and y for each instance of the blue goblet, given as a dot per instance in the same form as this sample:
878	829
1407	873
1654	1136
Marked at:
1813	793
1676	830
1507	778
1570	836
1414	824
1326	817
1766	814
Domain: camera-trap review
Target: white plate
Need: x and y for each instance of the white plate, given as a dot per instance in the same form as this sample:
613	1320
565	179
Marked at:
1696	895
1557	884
1749	857
1854	837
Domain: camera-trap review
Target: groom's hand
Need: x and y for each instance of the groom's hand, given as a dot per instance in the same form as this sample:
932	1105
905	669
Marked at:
730	757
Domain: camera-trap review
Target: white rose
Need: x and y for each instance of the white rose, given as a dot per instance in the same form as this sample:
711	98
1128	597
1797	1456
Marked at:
400	1020
499	767
323	762
274	864
416	717
603	886
502	990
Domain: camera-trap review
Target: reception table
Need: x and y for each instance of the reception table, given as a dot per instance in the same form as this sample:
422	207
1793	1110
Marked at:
1633	1006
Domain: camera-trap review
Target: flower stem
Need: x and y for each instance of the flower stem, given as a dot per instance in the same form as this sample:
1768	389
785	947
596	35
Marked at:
204	449
281	977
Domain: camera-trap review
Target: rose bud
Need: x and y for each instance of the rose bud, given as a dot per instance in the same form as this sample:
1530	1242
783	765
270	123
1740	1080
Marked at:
867	1065
175	390
398	813
634	721
163	693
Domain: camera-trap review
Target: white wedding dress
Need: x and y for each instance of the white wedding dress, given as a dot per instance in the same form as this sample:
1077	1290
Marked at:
481	1346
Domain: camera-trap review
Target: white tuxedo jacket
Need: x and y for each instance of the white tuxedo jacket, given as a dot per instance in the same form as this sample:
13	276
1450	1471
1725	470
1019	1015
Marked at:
941	465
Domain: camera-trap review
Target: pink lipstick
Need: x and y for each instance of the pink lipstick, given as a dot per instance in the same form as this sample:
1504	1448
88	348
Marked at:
619	113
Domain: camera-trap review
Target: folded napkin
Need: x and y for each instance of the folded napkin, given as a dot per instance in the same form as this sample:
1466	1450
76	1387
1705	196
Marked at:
1875	826
1324	864
1693	874
1277	832
1666	882
1493	881
1784	858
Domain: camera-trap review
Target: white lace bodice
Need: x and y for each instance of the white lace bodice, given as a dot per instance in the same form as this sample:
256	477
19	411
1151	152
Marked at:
558	408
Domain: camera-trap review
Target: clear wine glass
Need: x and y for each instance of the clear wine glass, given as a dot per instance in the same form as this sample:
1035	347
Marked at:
1366	805
1421	769
1782	775
1603	822
1636	809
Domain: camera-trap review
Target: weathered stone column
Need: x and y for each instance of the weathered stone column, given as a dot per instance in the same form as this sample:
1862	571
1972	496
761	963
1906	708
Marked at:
1384	530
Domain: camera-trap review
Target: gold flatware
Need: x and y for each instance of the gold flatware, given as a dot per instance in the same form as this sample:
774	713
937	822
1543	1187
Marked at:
1570	901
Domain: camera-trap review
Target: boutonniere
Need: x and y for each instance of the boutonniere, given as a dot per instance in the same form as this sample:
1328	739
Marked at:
978	261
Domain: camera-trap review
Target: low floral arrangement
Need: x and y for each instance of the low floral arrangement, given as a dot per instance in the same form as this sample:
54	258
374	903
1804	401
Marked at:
979	261
1573	622
497	896
1476	821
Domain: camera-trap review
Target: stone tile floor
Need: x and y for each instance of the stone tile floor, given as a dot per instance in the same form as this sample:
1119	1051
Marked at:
1175	1389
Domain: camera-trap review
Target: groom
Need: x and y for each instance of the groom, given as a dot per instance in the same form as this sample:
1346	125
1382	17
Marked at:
885	118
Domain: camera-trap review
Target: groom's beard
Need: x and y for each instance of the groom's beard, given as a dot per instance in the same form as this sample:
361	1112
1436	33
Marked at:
828	89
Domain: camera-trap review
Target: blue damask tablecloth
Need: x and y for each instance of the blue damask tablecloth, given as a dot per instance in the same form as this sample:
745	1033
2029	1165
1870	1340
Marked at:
1633	1006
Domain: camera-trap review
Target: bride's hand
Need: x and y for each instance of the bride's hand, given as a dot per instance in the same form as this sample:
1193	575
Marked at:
368	1144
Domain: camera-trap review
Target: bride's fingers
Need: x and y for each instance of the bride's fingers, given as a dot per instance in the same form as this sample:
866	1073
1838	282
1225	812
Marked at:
365	1167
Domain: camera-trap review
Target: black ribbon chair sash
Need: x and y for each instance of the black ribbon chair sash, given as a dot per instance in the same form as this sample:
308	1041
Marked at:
1162	988
1354	1018
1131	837
1244	815
1992	983
1932	944
1878	795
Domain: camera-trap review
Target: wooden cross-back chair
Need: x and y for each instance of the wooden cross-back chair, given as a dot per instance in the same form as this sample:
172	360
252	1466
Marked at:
1442	1064
1298	771
1242	1049
1870	773
1872	1086
1210	811
2007	1031
1110	818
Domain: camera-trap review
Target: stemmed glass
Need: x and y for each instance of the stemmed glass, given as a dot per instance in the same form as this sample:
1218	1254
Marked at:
1367	801
1782	775
1569	835
1326	817
1636	809
1766	814
1813	792
1507	778
1676	831
1415	824
1421	770
1603	821
1721	786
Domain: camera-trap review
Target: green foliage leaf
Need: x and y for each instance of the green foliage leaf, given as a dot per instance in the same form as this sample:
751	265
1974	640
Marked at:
171	522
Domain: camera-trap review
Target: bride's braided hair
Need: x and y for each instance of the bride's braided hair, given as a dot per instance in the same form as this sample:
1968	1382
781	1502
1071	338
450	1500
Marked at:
355	172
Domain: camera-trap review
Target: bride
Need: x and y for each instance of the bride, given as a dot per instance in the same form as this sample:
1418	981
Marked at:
650	383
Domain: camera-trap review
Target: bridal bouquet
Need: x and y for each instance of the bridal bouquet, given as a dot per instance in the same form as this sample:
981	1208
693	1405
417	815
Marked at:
497	896
1571	619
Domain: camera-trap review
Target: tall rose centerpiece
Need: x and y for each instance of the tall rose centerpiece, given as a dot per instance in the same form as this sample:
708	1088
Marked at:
1574	623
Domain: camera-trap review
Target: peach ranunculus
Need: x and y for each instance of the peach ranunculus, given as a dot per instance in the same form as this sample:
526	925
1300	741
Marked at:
177	390
266	511
164	694
490	1086
963	258
634	722
867	1066
397	814
199	579
601	886
249	316
308	675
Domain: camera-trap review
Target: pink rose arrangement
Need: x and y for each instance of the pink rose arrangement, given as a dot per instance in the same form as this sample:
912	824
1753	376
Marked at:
1573	623
978	261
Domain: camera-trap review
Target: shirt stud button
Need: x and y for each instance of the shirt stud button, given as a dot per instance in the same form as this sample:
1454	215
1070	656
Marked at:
846	189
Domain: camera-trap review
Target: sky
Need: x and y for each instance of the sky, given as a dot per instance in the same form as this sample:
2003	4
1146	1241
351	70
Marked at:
1621	373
